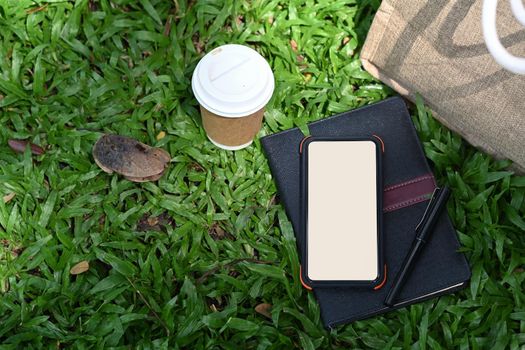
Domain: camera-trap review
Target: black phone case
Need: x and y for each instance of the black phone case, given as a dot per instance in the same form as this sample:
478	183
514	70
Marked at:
303	150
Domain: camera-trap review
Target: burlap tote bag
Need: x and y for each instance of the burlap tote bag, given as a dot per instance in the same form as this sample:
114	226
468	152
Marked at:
436	48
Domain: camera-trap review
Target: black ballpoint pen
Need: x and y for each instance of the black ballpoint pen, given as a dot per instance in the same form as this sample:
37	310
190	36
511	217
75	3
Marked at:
423	230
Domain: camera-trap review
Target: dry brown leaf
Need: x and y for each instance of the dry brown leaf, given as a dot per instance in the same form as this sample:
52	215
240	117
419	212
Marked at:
93	5
162	155
36	9
167	26
16	251
153	220
239	20
79	268
4	286
293	44
274	200
137	161
197	43
161	135
301	62
308	77
264	309
7	198
155	223
217	233
20	146
196	167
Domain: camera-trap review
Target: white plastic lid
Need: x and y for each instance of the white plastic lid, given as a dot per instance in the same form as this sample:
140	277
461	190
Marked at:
233	81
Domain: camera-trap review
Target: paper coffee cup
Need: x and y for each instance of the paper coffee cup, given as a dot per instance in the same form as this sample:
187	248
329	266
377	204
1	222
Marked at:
232	84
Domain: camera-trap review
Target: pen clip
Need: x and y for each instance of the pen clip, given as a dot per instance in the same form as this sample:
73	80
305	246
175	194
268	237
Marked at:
430	205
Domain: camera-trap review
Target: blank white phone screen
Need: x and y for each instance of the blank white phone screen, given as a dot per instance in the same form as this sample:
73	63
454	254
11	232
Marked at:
342	211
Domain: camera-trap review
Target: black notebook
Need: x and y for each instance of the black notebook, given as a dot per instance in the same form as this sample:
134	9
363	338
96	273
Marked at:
408	184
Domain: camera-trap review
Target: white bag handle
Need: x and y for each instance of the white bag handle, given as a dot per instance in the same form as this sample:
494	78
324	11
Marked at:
497	50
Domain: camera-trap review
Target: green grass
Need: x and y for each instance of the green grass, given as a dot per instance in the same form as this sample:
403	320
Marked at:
70	71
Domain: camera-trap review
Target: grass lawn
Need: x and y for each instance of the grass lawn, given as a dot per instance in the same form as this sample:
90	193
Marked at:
183	262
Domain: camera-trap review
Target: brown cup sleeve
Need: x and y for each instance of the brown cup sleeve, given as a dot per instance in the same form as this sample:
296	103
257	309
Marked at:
231	131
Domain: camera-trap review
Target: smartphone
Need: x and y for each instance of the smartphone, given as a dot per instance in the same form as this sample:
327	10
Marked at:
341	207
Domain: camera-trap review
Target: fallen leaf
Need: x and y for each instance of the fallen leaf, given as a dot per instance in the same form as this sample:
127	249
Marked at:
16	251
308	77
35	272
301	63
79	268
93	5
161	135
155	223
293	44
128	60
7	198
158	107
196	167
36	9
239	20
217	233
4	286
264	309
20	146
199	46
152	221
167	26
346	40
234	273
134	160
102	220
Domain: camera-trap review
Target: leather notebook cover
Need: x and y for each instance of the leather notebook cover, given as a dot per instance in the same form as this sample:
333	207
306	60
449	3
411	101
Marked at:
408	185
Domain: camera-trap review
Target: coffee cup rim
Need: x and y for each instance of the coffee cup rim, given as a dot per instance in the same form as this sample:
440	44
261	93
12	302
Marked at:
245	103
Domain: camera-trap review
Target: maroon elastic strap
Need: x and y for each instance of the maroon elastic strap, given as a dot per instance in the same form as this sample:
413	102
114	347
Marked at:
408	193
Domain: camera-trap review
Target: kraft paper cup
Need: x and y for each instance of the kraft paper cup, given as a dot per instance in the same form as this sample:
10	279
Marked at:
232	84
